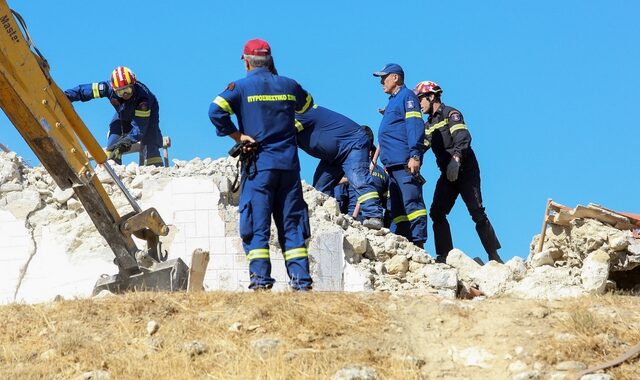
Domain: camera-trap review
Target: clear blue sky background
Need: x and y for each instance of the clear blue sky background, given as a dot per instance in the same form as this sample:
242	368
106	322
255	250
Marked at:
549	89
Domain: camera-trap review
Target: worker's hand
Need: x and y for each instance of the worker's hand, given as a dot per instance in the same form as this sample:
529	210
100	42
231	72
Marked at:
249	143
122	145
413	166
453	169
372	166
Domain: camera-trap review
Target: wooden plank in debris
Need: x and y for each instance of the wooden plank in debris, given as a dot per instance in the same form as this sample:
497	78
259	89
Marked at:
199	262
592	211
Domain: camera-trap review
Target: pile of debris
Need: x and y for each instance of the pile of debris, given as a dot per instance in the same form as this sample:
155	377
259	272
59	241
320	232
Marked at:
576	255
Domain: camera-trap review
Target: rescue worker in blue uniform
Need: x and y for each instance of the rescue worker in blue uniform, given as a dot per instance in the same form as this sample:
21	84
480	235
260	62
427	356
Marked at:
380	182
447	135
343	149
137	117
265	105
401	138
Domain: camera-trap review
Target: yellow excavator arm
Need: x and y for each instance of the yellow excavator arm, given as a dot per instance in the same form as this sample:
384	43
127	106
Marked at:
47	121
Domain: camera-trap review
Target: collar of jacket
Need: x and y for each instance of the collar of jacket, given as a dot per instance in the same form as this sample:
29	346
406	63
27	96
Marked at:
438	112
396	91
257	70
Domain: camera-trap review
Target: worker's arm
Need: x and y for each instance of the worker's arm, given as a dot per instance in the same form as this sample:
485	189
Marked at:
459	133
221	109
90	91
414	125
304	100
140	122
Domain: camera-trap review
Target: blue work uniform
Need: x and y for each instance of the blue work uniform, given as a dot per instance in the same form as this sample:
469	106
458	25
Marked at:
137	118
381	184
343	149
264	105
401	136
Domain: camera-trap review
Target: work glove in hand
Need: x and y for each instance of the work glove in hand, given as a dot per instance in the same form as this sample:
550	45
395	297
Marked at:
123	145
452	170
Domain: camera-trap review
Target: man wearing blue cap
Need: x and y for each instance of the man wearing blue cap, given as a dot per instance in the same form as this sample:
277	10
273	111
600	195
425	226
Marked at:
401	137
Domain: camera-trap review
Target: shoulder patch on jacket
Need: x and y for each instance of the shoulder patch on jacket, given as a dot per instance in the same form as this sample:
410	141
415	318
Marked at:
114	101
143	106
231	86
455	116
410	104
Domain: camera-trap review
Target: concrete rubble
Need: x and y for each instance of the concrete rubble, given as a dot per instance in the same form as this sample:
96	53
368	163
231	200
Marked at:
577	258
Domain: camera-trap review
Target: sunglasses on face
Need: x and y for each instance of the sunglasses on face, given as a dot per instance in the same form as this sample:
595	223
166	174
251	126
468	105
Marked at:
122	91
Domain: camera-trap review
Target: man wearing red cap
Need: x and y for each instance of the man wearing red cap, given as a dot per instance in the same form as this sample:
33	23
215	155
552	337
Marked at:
265	105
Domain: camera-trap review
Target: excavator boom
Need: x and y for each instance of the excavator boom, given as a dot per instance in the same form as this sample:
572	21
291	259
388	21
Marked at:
47	121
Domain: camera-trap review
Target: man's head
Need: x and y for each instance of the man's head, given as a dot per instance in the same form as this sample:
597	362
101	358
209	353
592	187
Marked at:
367	131
122	82
429	95
257	53
391	77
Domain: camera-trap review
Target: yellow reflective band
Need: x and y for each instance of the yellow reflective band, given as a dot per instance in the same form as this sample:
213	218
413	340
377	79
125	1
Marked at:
400	219
153	160
412	114
222	103
96	90
367	196
417	214
307	104
295	253
260	253
139	113
457	127
439	125
299	126
271	98
427	143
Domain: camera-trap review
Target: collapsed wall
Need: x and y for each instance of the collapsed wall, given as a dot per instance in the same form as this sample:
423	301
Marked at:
50	247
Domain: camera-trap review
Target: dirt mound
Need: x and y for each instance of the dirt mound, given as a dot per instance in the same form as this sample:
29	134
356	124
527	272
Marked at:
315	336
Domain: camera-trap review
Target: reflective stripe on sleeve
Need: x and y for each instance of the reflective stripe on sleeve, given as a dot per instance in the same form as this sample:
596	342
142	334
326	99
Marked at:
299	126
295	253
412	114
457	127
400	219
366	196
260	253
307	104
140	113
222	103
95	89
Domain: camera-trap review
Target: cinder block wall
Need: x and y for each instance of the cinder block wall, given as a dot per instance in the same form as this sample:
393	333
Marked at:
195	209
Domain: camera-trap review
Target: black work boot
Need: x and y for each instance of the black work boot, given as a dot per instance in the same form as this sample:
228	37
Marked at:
495	257
441	259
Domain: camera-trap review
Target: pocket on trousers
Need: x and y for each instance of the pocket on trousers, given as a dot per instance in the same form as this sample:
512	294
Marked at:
246	221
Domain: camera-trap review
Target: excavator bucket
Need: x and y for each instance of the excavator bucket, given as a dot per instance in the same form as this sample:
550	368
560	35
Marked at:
47	121
167	276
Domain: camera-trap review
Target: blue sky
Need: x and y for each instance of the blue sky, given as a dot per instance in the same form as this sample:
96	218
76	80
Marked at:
548	88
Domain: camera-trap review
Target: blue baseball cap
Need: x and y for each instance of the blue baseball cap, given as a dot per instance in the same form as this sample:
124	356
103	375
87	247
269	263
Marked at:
389	68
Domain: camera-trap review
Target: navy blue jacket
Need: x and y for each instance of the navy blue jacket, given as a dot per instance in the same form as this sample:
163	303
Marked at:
141	112
328	135
401	132
265	105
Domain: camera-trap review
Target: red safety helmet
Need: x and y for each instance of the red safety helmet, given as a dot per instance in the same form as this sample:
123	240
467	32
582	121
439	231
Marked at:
426	87
122	77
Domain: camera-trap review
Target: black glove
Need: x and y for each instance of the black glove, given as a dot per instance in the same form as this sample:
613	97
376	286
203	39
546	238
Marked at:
452	170
123	145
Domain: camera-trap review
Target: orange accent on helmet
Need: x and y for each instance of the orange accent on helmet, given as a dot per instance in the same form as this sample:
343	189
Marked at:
426	87
121	77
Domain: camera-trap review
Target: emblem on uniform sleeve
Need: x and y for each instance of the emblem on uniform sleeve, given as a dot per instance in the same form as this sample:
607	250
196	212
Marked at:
410	104
101	87
455	117
231	86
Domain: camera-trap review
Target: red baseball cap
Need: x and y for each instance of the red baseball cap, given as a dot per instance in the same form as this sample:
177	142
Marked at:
256	47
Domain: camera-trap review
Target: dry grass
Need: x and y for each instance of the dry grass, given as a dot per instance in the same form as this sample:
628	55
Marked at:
603	328
319	334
